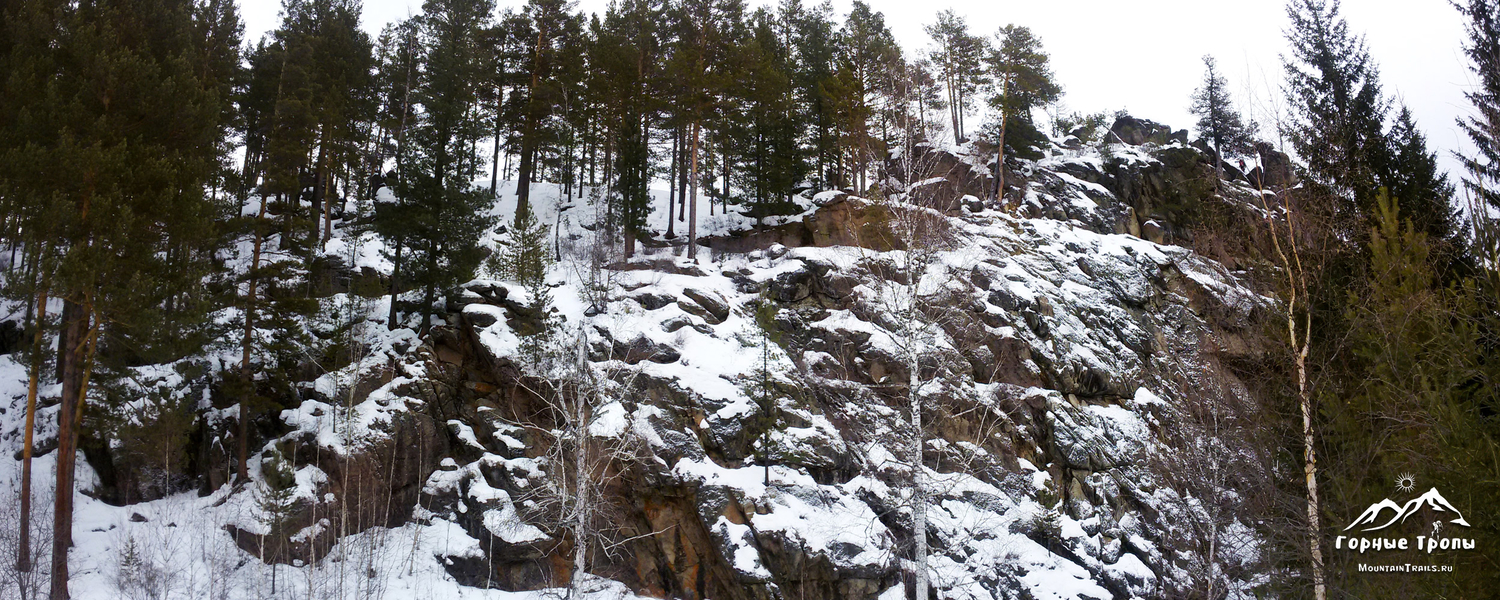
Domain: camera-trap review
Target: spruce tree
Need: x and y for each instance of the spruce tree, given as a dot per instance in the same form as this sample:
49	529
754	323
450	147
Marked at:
1416	183
1338	105
1483	129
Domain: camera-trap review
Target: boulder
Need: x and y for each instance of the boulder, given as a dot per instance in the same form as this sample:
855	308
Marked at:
711	303
1134	131
651	301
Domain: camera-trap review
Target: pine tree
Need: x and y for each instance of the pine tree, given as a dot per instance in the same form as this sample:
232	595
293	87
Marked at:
255	95
814	45
322	83
550	28
1410	401
396	70
1022	80
772	153
958	55
704	42
624	59
525	259
442	214
1218	121
28	56
867	52
345	61
122	106
396	74
927	92
276	499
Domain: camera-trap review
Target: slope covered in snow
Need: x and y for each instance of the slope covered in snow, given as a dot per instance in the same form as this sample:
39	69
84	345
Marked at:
750	433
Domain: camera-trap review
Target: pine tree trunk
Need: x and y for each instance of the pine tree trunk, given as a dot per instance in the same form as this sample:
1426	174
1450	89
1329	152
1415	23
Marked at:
693	200
390	322
1219	167
320	175
429	295
682	180
1000	165
528	137
289	209
23	558
246	377
672	179
629	235
328	189
958	129
961	123
708	188
62	348
79	340
495	158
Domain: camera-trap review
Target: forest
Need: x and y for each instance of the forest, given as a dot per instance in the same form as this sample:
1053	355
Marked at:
463	225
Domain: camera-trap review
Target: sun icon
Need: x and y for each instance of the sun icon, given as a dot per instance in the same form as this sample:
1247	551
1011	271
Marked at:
1406	482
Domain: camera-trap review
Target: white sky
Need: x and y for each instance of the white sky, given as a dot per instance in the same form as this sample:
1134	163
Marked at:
1145	55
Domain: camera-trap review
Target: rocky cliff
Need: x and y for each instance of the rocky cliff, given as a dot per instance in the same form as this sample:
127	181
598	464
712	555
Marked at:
750	423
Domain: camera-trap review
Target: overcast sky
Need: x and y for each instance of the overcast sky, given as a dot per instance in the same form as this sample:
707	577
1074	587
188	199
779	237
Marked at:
1145	56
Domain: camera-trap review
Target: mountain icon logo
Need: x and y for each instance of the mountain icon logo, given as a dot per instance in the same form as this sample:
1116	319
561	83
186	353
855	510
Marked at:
1431	499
